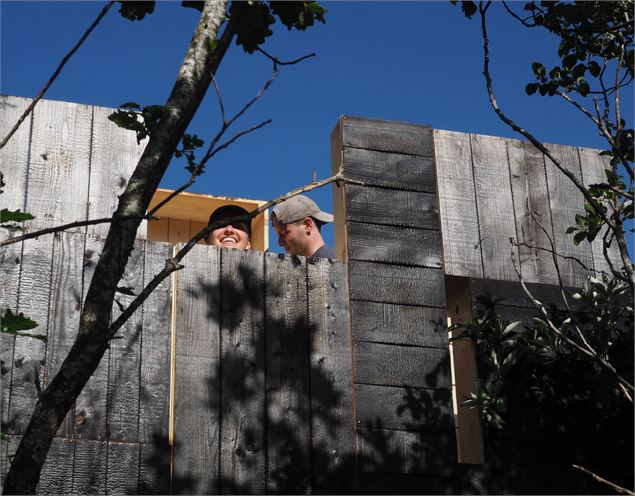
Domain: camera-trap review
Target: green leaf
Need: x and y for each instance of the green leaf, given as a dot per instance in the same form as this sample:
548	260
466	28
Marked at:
539	70
579	237
11	323
594	68
7	215
136	10
531	88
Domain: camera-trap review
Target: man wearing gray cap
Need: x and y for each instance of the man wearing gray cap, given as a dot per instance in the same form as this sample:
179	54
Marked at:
298	222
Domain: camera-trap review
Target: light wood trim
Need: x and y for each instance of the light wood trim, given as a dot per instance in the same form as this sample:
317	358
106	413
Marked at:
339	203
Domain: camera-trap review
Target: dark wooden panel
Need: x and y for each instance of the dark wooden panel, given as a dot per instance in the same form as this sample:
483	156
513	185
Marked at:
125	356
154	382
154	469
511	293
123	468
394	170
382	450
386	483
389	136
404	408
89	471
196	426
332	430
57	472
391	207
394	284
396	365
397	245
514	314
287	376
399	324
242	461
8	447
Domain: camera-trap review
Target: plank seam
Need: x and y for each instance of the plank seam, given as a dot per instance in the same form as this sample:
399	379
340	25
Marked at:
399	264
221	259
143	278
577	152
308	357
405	345
478	222
364	427
511	191
265	427
27	169
350	219
91	140
386	151
402	385
400	304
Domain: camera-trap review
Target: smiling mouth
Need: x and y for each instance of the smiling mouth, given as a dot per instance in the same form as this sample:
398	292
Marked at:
229	240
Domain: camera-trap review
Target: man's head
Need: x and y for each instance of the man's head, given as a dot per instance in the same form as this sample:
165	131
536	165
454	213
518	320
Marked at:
231	232
297	222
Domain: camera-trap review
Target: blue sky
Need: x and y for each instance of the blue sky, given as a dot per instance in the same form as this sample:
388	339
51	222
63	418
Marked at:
416	62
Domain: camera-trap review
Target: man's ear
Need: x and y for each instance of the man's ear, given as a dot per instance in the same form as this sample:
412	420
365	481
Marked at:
248	247
308	225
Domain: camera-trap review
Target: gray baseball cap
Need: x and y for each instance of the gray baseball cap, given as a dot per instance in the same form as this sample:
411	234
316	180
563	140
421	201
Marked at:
297	208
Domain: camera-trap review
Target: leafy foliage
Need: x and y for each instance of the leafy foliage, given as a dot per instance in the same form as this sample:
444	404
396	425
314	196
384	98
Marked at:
143	121
16	324
136	10
189	144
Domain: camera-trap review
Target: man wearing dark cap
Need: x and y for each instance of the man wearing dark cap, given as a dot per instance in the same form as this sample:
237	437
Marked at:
298	222
234	227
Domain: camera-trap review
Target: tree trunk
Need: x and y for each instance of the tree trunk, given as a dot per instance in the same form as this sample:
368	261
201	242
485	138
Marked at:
194	78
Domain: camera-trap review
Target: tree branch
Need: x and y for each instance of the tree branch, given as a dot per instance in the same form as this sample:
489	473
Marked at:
66	58
619	489
276	61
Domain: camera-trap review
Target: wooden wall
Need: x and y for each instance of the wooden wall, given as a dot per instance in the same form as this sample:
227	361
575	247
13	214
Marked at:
390	234
243	386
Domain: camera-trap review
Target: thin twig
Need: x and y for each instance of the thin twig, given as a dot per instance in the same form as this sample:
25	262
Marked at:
220	99
238	135
276	61
619	489
39	96
565	257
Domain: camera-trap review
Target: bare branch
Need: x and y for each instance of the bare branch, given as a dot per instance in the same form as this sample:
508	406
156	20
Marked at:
619	489
565	257
276	61
220	100
236	136
66	58
518	18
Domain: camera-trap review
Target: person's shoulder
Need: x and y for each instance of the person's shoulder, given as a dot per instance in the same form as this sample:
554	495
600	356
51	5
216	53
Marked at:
324	251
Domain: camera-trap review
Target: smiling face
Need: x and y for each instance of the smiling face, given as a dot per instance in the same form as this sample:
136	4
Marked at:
230	237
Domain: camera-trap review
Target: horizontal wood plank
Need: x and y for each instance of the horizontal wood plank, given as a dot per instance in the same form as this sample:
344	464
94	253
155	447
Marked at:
404	408
396	365
391	207
378	282
57	472
123	468
510	293
89	469
394	245
393	170
399	324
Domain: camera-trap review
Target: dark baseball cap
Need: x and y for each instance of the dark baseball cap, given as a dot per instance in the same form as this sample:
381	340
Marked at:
297	208
229	212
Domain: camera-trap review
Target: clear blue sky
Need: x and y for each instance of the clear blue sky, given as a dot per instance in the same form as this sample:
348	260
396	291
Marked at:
417	62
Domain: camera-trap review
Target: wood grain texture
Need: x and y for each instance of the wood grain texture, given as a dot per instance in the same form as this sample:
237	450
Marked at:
392	170
64	312
287	375
391	207
394	245
154	469
332	406
90	467
383	283
388	136
407	452
157	230
115	154
593	166
125	356
8	446
509	293
339	192
122	475
529	189
59	165
178	230
14	155
399	324
154	383
57	472
566	201
396	365
242	463
494	205
404	408
196	451
29	355
457	204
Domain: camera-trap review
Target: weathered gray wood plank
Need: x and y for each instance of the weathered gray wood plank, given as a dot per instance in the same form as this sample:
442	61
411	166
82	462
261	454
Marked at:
125	355
196	452
90	467
57	472
399	324
397	365
494	205
457	205
115	153
154	383
566	201
388	136
59	163
407	452
511	293
372	281
392	207
15	154
529	189
8	447
154	469
593	166
393	170
404	408
122	475
332	430
29	354
395	245
64	311
242	463
287	376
